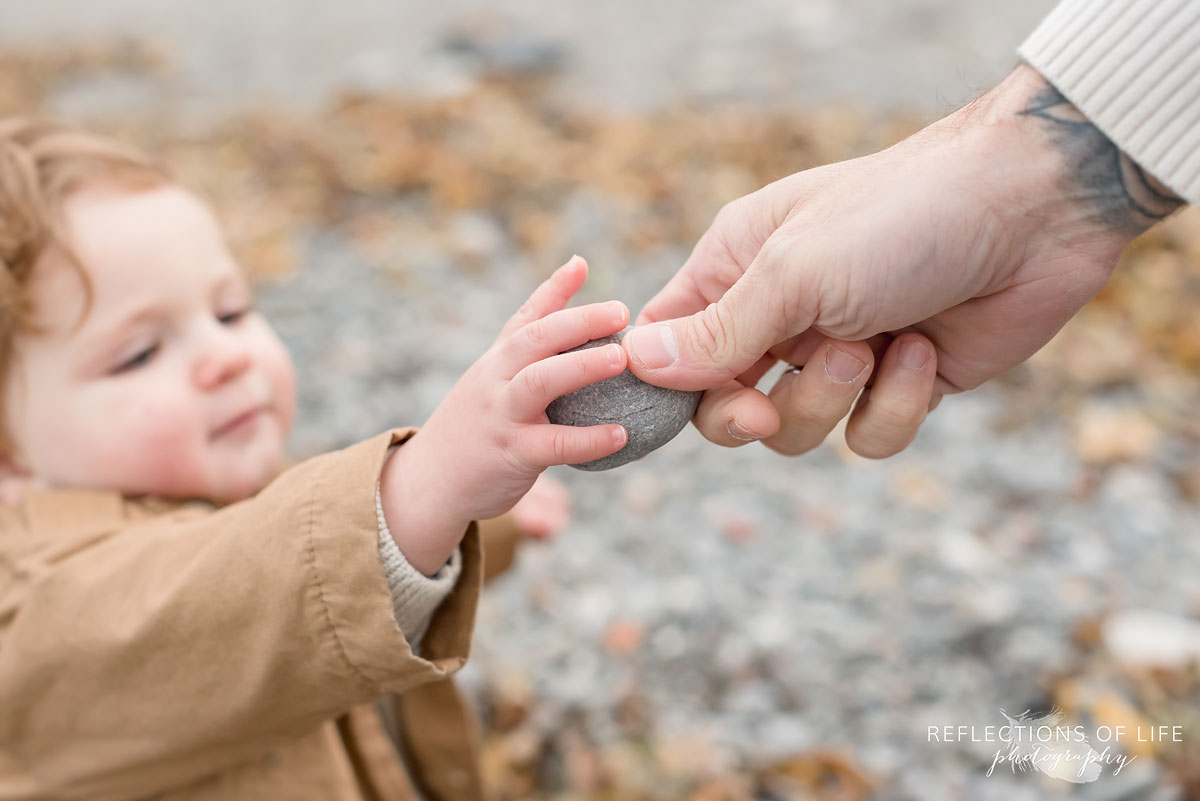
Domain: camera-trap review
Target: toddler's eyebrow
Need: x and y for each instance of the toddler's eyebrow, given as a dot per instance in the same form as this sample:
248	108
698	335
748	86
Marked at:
106	332
152	308
111	329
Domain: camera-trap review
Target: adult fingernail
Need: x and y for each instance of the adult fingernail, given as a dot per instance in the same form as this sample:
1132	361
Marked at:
914	355
738	431
842	367
652	345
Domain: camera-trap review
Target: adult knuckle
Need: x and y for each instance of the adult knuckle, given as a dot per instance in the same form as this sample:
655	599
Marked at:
899	416
869	448
711	335
957	384
884	436
812	412
790	446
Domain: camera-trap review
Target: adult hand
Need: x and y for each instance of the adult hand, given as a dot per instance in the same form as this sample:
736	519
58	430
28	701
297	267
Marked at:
924	269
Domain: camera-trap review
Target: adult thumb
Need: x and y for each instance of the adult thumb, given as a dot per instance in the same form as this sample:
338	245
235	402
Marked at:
710	347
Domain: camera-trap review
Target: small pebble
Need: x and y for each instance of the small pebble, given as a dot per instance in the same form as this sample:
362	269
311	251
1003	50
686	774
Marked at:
651	415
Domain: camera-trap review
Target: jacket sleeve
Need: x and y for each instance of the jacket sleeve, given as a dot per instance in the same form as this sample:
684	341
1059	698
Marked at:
148	656
415	596
499	538
1133	68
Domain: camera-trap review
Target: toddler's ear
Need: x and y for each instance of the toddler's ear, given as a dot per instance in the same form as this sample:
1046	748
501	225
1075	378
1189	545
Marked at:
15	478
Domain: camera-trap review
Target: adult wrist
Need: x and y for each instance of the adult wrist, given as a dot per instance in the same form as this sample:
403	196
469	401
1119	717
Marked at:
1052	176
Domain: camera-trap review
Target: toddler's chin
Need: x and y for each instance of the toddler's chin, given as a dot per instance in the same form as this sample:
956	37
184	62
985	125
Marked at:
248	477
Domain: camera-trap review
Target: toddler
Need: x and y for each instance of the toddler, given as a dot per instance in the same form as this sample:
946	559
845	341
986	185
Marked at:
181	614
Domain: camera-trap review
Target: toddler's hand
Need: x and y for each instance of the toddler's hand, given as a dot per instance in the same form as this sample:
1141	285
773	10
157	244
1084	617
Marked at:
488	440
545	509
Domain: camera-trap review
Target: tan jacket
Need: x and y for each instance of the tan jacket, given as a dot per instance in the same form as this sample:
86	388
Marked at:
173	650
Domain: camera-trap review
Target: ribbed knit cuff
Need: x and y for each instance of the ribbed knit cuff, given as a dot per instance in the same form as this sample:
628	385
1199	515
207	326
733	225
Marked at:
1133	68
415	596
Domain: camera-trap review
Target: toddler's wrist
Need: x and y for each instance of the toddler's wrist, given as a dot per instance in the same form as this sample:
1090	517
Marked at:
426	517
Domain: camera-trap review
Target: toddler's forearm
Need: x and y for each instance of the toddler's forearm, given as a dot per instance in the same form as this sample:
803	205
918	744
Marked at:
426	522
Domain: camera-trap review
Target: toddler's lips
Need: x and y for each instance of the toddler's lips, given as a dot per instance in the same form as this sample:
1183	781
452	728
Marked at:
242	422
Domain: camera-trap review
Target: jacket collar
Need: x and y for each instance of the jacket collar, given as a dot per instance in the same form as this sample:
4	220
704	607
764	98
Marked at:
71	511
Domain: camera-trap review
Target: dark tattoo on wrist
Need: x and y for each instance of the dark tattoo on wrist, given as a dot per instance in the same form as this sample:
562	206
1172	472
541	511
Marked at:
1121	194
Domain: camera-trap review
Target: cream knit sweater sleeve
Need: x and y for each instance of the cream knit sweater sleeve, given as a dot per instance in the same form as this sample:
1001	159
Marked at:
415	596
1133	68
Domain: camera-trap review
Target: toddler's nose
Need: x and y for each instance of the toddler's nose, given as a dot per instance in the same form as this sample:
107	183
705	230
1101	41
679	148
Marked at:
224	357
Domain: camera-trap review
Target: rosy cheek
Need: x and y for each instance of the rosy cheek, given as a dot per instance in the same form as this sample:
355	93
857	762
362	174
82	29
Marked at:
277	364
148	444
166	434
285	383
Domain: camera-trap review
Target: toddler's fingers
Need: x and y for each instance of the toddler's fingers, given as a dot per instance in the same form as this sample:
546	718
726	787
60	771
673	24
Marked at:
527	395
551	295
546	445
559	331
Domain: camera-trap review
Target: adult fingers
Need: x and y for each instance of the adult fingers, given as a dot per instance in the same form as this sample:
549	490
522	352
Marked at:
734	414
718	343
551	295
751	377
885	420
812	401
532	389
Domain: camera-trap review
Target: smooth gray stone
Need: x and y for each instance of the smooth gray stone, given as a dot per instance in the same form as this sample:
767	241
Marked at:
652	415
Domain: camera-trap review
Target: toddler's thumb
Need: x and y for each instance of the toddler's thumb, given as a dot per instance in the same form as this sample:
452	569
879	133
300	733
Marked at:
711	346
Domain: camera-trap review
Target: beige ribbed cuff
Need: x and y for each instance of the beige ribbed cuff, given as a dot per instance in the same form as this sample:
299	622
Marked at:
1133	68
415	596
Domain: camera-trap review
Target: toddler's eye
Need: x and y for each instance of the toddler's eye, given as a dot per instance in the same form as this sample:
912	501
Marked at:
233	317
137	361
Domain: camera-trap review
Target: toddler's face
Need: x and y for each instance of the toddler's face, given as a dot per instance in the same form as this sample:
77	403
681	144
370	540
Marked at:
172	385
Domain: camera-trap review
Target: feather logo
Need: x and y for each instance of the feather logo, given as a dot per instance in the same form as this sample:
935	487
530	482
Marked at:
1046	745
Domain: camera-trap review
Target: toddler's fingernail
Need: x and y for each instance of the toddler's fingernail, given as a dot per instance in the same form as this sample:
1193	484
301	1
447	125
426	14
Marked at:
619	435
842	367
738	431
615	354
914	355
652	345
